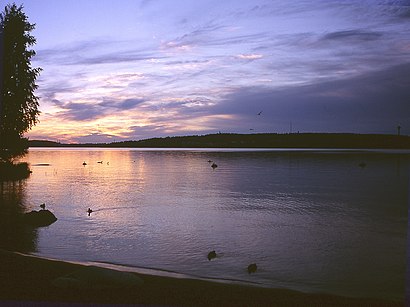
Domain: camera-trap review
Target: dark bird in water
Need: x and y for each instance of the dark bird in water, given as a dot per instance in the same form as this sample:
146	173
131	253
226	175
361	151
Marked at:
211	255
362	164
89	211
214	165
209	161
84	163
252	268
100	162
43	206
260	113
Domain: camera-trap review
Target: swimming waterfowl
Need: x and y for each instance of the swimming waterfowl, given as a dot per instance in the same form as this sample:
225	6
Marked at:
84	163
252	268
214	165
89	211
211	255
43	206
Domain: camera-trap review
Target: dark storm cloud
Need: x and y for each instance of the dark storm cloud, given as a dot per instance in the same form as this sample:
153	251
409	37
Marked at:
373	102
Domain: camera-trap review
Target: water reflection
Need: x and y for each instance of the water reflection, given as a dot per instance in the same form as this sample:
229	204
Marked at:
14	235
311	221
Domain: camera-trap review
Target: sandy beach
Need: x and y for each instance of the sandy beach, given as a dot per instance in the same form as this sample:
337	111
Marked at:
29	280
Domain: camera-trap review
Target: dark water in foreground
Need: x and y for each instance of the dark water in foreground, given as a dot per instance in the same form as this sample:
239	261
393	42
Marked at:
312	221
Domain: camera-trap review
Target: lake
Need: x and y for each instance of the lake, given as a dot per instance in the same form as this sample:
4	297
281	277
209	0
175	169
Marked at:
312	220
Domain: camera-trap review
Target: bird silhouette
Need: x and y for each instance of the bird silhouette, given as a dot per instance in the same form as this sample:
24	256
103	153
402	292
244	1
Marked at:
259	113
84	163
214	165
211	255
89	211
43	206
252	268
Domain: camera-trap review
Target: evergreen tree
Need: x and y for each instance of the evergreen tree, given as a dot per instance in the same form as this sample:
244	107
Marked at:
18	103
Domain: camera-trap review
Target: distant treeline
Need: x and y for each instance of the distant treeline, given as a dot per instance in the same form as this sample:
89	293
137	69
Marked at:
261	140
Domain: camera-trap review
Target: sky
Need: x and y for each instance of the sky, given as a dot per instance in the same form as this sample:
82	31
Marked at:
136	69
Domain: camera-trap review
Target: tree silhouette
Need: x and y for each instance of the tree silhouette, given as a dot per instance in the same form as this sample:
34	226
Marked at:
18	103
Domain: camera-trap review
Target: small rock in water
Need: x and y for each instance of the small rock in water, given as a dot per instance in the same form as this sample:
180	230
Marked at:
40	218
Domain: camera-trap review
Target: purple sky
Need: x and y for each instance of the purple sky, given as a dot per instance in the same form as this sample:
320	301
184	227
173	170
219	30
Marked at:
128	69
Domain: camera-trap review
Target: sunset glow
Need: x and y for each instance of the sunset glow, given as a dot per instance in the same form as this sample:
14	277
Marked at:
130	70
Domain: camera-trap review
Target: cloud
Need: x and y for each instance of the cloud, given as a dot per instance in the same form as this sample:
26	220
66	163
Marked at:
211	34
128	104
80	111
371	103
250	56
353	35
95	51
95	137
94	110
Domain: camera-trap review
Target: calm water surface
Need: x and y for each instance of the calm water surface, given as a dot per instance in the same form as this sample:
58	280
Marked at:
312	221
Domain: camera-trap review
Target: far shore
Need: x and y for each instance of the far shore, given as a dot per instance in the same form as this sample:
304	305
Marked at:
29	279
254	140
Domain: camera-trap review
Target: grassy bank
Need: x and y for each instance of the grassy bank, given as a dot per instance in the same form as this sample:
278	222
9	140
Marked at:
30	279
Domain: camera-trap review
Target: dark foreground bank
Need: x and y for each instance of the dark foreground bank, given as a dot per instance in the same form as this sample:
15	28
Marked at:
27	279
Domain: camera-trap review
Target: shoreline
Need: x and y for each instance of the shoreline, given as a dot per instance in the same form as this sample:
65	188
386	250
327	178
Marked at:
29	278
